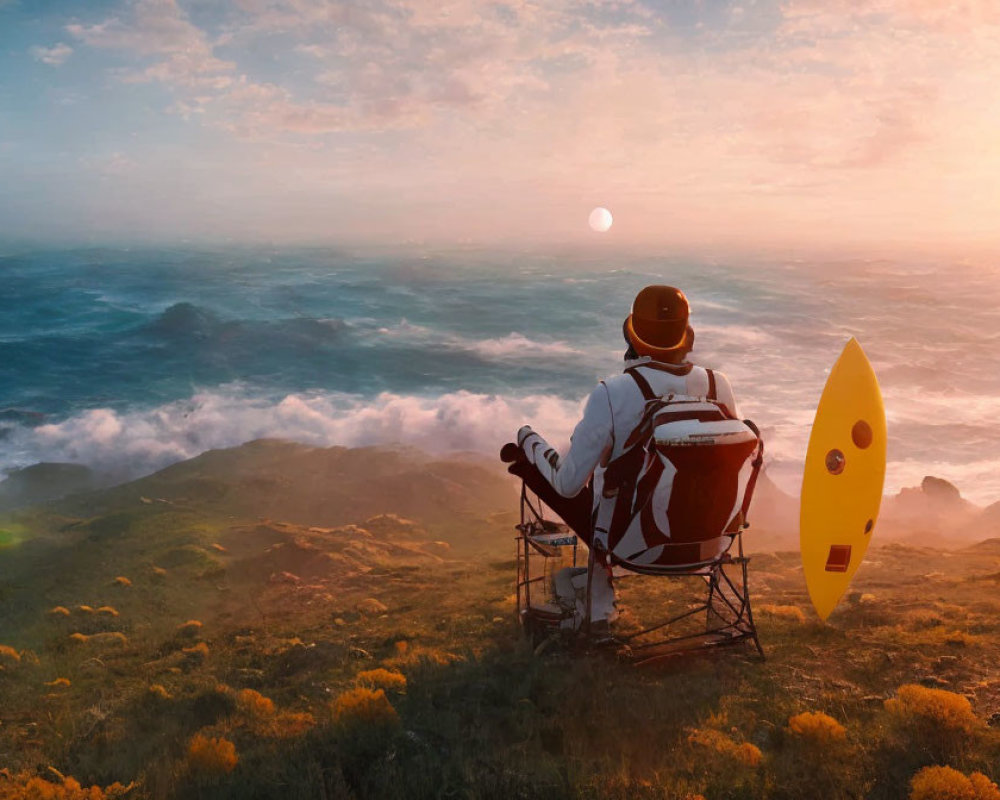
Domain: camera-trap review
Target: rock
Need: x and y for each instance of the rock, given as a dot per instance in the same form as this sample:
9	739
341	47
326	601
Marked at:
285	577
940	489
933	514
371	606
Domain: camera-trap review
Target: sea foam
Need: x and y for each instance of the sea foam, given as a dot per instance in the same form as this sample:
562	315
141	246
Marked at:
123	445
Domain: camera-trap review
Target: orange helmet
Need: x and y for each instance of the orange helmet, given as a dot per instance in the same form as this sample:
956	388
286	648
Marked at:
658	324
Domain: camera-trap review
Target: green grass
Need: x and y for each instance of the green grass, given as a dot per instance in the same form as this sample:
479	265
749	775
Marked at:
12	533
482	715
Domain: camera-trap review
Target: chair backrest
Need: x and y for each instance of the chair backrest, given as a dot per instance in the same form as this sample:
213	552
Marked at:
690	494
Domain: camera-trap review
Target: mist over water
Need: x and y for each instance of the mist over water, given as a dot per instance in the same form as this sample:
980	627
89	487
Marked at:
130	360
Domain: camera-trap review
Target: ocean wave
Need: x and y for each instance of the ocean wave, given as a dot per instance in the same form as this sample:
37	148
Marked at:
334	350
514	345
125	445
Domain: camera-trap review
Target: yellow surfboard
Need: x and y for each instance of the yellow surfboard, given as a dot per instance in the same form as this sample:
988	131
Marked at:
842	484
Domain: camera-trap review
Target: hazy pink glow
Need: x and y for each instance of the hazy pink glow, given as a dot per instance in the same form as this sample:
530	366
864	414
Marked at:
870	122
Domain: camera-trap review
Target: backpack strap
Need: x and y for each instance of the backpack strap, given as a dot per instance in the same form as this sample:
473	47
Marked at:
619	483
642	383
711	385
621	474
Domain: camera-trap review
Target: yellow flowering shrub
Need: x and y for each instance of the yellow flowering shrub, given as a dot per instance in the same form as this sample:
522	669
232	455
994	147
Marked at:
25	787
59	683
366	707
815	726
159	691
984	788
197	652
287	724
59	611
937	708
210	755
189	628
108	611
382	679
411	656
254	703
121	580
945	783
9	654
745	754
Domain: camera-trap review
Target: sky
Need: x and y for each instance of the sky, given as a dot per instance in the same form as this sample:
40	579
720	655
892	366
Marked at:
742	123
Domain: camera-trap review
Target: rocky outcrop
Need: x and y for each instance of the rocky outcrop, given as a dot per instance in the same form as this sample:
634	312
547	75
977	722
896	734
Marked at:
934	513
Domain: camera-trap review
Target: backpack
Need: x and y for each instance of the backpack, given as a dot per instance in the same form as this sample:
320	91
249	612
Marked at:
682	484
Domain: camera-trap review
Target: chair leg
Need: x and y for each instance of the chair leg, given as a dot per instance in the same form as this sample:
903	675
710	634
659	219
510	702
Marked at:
751	625
590	587
711	614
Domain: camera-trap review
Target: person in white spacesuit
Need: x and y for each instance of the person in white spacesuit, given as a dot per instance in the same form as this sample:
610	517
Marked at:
659	339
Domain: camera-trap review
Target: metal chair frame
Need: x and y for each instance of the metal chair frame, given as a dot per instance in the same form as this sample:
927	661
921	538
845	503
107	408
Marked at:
728	614
531	530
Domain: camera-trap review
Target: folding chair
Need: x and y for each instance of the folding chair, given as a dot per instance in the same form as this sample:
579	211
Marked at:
711	562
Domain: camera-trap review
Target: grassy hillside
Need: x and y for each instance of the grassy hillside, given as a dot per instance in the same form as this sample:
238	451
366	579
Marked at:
284	621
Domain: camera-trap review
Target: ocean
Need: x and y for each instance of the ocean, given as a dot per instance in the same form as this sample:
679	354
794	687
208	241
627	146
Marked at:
127	360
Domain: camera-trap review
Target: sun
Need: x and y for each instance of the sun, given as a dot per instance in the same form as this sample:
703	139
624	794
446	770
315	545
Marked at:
600	220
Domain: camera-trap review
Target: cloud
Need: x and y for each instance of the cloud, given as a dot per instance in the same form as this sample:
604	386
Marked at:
395	64
159	29
54	56
957	17
765	118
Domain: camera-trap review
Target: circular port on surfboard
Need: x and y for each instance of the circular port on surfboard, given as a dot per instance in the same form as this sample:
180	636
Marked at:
862	434
835	462
868	526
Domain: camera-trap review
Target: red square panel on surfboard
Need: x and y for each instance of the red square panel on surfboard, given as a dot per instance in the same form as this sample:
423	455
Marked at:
839	558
